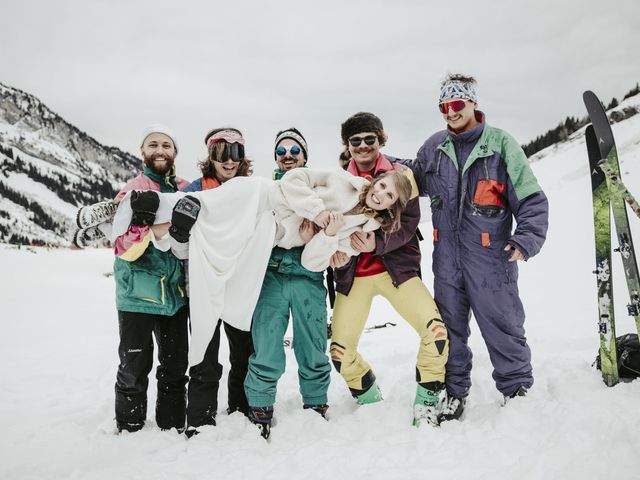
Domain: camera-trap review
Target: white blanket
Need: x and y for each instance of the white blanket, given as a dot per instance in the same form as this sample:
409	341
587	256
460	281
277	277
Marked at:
229	251
231	241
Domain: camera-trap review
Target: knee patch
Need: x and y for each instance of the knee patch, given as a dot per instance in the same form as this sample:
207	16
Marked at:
337	353
438	332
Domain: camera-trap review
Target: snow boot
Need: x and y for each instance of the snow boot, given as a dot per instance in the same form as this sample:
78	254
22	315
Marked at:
321	409
192	430
129	427
372	395
521	391
263	417
452	409
427	405
96	214
87	236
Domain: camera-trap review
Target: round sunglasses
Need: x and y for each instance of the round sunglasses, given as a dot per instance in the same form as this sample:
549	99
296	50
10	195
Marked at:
293	149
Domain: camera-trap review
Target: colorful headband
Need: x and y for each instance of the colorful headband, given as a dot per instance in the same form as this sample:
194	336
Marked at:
229	136
458	89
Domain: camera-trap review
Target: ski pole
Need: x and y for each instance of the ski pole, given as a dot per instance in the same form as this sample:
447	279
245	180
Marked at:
382	325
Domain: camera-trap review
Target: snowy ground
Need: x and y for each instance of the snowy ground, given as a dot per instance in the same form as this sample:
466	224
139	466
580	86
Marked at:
58	352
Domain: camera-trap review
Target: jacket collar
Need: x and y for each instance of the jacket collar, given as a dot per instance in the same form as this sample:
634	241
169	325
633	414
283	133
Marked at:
167	182
382	165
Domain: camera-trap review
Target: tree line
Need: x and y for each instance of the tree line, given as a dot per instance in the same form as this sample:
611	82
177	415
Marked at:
572	124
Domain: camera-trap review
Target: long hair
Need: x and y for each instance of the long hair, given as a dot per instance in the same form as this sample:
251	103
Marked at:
389	219
221	151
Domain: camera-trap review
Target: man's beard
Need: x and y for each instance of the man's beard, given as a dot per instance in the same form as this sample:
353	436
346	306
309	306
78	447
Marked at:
166	168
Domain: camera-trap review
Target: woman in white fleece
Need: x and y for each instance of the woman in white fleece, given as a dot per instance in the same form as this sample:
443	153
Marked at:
229	249
339	204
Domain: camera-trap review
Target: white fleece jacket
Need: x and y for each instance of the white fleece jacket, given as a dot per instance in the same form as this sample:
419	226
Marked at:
305	193
231	240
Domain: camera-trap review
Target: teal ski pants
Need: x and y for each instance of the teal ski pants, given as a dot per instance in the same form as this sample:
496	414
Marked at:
305	298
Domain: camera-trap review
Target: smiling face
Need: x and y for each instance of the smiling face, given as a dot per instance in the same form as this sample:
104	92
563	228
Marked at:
158	153
363	154
223	170
289	161
463	120
226	171
382	194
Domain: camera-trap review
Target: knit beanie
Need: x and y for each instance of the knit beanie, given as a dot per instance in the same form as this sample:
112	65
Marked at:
293	134
159	128
360	122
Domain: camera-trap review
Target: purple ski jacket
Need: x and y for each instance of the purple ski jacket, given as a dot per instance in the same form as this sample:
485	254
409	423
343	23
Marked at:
473	205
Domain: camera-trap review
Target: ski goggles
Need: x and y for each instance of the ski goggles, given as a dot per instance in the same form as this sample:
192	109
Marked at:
369	140
455	105
294	150
231	151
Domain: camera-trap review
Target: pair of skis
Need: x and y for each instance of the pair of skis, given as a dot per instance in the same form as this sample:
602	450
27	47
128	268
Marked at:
609	195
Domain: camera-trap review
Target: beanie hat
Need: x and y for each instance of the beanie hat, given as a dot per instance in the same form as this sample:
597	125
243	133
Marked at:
360	122
458	89
159	128
293	134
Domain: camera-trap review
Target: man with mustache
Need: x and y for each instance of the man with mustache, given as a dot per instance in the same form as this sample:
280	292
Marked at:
388	265
289	290
479	180
150	295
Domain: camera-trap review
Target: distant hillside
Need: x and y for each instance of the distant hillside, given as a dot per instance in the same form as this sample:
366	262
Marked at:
48	168
572	124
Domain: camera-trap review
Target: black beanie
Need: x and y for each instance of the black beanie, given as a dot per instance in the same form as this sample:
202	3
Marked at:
360	122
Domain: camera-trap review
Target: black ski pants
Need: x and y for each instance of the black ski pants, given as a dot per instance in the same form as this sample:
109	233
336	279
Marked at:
204	378
136	361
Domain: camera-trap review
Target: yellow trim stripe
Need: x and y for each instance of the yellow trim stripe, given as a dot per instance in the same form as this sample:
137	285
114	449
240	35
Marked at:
136	250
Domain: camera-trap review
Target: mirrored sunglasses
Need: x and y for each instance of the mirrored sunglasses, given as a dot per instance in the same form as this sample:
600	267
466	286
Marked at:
455	105
293	149
369	140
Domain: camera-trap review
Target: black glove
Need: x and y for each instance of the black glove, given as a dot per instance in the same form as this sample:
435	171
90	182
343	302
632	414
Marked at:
184	215
144	205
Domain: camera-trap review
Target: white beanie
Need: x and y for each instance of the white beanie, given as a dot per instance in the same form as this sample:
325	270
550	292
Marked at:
159	128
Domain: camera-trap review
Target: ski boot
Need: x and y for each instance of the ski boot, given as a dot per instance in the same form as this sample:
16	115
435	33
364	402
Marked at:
321	409
263	417
427	405
372	395
452	409
521	391
87	236
96	214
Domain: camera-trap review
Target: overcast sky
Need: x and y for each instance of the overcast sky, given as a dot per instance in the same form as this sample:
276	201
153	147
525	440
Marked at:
113	67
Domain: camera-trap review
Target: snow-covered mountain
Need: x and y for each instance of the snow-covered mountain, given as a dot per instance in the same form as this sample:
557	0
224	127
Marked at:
570	426
48	168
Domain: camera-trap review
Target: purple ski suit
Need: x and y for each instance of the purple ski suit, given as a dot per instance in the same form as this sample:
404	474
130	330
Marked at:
478	181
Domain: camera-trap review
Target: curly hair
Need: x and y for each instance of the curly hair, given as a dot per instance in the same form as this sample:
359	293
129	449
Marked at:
459	77
389	218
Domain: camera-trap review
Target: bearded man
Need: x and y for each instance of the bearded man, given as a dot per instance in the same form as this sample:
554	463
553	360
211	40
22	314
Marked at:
150	295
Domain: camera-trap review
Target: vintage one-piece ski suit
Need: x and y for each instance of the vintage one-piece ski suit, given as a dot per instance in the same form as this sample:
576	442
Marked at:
478	182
